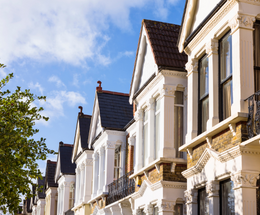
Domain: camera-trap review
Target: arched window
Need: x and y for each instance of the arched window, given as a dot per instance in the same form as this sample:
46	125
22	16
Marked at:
72	195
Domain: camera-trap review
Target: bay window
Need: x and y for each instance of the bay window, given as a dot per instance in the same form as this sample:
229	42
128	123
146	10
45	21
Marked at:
145	138
157	126
225	76
257	55
227	198
203	202
203	109
178	122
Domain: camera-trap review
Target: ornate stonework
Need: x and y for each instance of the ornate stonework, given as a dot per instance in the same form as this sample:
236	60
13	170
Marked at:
244	179
164	205
138	115
192	66
212	47
241	21
191	196
168	90
212	188
148	209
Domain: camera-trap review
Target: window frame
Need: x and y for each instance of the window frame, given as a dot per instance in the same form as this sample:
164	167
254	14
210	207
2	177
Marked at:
118	167
203	98
158	112
198	199
144	146
256	68
220	194
227	79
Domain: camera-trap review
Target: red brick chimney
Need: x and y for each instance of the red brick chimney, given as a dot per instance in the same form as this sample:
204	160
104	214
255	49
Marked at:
99	88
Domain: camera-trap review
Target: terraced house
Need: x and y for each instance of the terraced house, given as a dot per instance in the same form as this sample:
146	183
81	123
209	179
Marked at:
221	39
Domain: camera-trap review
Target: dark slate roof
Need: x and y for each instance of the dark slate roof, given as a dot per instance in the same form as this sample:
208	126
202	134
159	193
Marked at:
84	124
66	166
115	110
163	38
50	174
41	195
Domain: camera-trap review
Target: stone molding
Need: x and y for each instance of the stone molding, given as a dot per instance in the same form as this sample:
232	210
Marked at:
212	47
212	188
241	21
192	66
244	179
207	154
150	104
191	196
138	115
88	162
168	90
131	141
165	206
255	2
174	73
148	209
137	212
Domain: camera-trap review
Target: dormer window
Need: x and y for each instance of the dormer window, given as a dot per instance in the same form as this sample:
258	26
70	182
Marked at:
203	108
226	88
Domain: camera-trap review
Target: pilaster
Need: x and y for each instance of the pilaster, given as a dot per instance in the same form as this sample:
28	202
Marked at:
245	192
139	138
101	170
212	51
191	201
165	207
212	189
151	130
88	179
109	164
95	181
192	122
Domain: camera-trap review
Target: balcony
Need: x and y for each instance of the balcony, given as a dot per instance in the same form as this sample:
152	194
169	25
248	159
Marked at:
120	188
253	122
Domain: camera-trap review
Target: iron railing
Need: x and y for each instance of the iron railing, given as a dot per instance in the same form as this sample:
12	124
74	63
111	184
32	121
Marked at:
253	122
120	188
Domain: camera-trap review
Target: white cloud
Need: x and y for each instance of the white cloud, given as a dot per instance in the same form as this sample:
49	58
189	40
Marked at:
55	103
63	30
36	86
57	81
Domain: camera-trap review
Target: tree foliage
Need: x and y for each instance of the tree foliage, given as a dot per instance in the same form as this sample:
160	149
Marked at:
19	152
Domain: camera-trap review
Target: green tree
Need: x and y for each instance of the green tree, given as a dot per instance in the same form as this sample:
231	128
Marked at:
19	152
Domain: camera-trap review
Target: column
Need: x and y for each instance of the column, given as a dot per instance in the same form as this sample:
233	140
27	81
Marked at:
101	174
125	208
242	59
245	192
167	125
151	141
212	189
66	195
212	51
139	138
191	201
192	128
148	209
95	181
122	160
109	164
88	178
81	182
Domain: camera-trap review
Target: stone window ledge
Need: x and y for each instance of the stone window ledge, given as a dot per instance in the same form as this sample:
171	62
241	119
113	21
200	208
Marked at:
156	164
227	123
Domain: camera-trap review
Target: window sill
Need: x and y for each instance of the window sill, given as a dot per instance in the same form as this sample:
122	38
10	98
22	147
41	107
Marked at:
157	162
238	117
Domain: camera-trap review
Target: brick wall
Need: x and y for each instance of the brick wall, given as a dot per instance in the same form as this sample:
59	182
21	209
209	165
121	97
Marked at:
165	174
220	142
130	158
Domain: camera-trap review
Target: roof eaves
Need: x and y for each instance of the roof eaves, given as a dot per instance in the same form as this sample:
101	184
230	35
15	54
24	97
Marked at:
145	84
183	15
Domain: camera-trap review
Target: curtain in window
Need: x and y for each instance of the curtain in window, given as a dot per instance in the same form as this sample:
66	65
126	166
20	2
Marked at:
178	123
227	198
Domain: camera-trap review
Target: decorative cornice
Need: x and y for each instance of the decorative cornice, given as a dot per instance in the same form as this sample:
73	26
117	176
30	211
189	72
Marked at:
168	90
207	154
244	179
174	73
241	21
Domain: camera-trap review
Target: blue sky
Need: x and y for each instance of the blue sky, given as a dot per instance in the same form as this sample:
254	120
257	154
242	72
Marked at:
61	48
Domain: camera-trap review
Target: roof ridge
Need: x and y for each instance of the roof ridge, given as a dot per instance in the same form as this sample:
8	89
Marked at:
66	144
114	93
149	20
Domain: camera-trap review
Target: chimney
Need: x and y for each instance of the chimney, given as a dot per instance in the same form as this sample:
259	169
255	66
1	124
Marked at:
80	112
99	88
60	143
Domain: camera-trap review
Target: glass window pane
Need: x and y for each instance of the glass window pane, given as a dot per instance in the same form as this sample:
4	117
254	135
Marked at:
157	105
145	116
225	57
227	99
204	76
203	202
204	114
227	198
178	97
257	43
178	129
178	209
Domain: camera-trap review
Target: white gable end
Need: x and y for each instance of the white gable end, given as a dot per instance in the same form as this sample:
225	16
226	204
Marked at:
202	9
145	64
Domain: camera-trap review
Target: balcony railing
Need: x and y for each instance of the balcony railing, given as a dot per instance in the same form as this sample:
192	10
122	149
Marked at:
253	122
120	188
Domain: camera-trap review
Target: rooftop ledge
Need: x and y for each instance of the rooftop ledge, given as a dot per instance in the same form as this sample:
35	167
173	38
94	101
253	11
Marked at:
227	123
156	163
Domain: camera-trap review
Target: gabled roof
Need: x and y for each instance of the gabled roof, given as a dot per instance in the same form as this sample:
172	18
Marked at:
49	175
64	164
115	110
41	195
162	38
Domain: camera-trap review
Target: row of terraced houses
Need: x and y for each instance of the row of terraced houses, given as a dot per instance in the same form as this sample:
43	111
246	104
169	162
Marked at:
185	140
